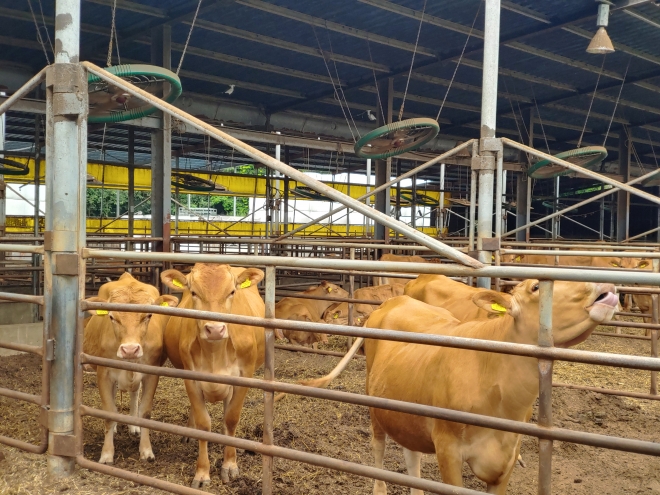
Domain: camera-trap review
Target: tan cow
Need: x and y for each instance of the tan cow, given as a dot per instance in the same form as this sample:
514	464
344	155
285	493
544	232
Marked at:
549	259
216	347
134	337
338	312
301	309
491	384
400	259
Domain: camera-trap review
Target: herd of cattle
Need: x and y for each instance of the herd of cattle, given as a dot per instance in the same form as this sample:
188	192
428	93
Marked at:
491	384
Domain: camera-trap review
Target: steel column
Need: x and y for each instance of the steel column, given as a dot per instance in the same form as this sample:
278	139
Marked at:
36	259
441	202
131	182
545	387
161	147
269	374
66	178
384	167
623	197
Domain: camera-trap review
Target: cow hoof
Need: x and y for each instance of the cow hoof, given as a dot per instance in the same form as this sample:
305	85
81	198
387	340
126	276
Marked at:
201	484
106	459
185	439
148	456
134	431
228	473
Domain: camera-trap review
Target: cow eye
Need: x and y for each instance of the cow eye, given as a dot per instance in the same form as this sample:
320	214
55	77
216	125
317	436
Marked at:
535	288
232	293
148	316
194	294
112	318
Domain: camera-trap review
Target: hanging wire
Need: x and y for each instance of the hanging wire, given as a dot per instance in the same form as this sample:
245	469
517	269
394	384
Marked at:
112	33
515	118
341	88
412	62
332	81
458	64
593	97
43	21
117	48
623	82
39	38
380	102
655	158
185	47
538	114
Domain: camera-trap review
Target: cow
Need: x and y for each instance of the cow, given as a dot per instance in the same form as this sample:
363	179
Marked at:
338	312
133	337
311	310
491	384
400	259
215	347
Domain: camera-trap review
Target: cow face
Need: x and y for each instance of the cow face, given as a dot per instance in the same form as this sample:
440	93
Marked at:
130	329
331	289
577	308
211	287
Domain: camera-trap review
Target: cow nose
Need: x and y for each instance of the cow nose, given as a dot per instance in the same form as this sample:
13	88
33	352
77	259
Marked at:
128	351
215	331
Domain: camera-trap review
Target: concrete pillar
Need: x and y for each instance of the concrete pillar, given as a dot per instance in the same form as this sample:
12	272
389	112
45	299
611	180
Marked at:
66	179
161	148
623	198
521	204
384	167
131	182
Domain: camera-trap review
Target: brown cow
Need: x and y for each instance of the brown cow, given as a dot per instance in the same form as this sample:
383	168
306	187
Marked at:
400	259
216	347
300	309
134	337
338	312
491	384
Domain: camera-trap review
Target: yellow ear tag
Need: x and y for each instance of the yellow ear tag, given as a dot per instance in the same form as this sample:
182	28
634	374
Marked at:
176	283
336	316
247	283
164	304
614	263
329	289
101	312
643	265
498	308
518	258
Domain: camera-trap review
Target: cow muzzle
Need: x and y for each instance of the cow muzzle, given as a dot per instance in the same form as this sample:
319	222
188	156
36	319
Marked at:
129	351
215	331
605	304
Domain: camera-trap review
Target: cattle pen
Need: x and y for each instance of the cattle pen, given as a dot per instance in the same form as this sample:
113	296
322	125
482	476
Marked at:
80	114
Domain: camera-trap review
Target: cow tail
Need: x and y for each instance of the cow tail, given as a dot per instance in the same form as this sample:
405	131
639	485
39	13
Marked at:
324	381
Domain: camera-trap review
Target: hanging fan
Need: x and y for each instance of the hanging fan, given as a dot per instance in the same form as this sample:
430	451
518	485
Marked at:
421	200
589	157
654	180
108	103
397	138
189	182
11	167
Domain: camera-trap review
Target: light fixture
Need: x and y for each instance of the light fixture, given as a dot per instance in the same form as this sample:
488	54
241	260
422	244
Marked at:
601	43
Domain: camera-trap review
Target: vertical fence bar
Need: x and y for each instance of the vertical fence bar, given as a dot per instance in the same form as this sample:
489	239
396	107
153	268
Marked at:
66	155
545	386
269	374
351	292
654	333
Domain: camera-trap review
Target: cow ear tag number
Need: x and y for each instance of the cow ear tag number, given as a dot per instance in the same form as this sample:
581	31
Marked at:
247	283
498	308
101	312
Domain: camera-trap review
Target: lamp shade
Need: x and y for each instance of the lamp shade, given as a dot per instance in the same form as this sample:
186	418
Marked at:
600	43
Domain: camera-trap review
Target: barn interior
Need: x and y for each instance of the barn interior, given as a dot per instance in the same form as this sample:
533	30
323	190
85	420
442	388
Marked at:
546	121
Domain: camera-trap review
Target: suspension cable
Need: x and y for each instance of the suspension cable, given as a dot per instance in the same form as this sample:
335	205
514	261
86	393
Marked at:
39	38
185	47
412	62
616	104
112	34
593	97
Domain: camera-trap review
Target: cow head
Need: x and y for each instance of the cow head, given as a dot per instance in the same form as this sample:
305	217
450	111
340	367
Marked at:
211	287
131	328
330	289
577	308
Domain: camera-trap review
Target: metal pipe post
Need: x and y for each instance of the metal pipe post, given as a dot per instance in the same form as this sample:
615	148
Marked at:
623	198
473	209
545	386
269	374
654	333
485	162
64	239
36	259
351	295
441	202
131	183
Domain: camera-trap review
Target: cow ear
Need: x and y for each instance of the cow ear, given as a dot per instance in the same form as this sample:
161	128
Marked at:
323	283
249	277
167	300
642	264
98	312
125	275
175	280
495	303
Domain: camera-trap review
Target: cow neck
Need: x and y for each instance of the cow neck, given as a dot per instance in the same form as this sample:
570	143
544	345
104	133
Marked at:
318	305
216	354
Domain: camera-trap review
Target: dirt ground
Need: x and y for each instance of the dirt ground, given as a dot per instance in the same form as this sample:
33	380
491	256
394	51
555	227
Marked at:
341	431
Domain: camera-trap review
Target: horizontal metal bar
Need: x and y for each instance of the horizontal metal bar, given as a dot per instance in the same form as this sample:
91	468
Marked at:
21	248
637	290
593	254
298	295
15	394
594	440
309	350
634	324
32	83
28	447
616	277
11	296
601	358
621	336
626	313
33	349
621	393
284	453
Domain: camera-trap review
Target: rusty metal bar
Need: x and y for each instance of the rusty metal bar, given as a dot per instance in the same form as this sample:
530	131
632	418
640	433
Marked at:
616	277
33	349
529	429
15	394
24	90
654	343
21	248
273	451
269	375
555	353
28	447
545	387
607	391
637	290
621	335
11	296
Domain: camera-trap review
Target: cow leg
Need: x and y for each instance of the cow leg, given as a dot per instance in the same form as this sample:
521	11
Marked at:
414	466
449	458
134	396
378	438
232	414
315	345
149	384
191	424
202	421
108	392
